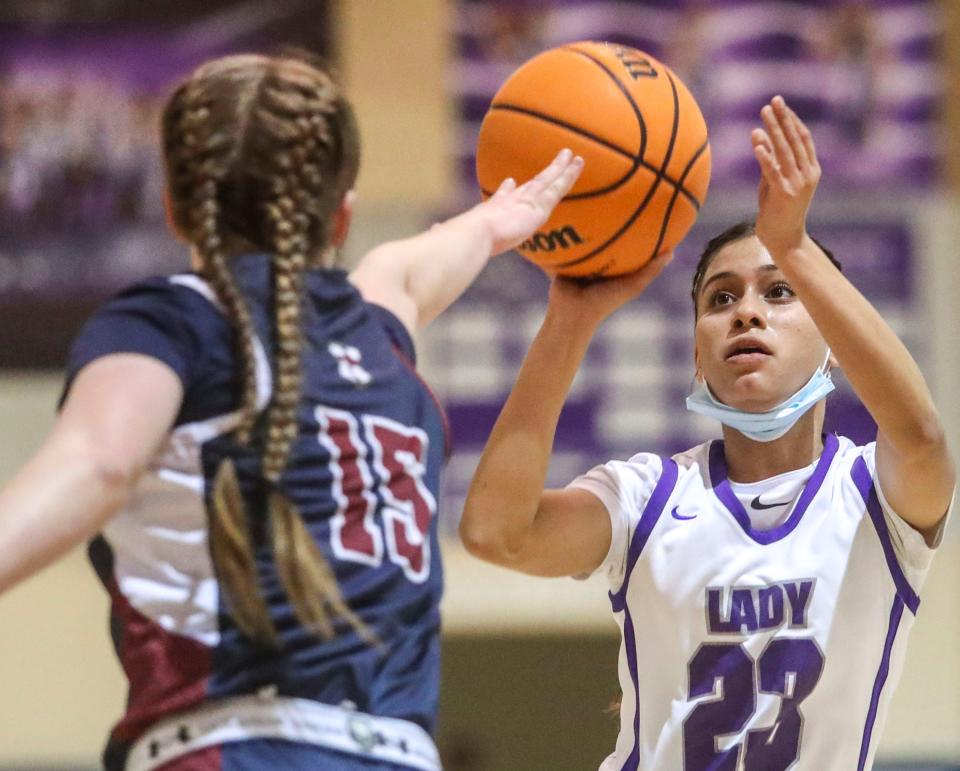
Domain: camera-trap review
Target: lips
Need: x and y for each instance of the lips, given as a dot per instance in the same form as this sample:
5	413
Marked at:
747	349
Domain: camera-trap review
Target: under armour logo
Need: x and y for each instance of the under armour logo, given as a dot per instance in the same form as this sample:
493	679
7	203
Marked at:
348	363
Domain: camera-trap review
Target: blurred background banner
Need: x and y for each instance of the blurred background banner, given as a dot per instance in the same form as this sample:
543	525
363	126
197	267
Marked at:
81	89
864	74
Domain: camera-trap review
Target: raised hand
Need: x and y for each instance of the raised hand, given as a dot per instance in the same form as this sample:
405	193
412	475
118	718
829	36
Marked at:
789	173
514	213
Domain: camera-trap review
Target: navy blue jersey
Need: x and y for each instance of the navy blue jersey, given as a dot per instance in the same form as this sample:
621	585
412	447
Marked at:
363	473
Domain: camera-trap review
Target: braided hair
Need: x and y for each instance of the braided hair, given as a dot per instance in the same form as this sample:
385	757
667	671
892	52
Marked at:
260	152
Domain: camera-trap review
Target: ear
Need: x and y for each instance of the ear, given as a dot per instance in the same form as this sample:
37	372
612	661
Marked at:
341	219
698	373
171	220
832	361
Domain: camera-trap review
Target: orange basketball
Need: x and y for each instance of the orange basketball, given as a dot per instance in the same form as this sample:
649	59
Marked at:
643	140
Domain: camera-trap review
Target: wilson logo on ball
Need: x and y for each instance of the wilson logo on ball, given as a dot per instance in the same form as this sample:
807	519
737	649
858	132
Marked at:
561	238
638	66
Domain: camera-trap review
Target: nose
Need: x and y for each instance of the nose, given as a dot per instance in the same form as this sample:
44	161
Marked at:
749	312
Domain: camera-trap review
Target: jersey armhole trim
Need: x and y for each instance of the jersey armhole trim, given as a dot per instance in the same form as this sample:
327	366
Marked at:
896	613
444	418
648	520
387	317
867	488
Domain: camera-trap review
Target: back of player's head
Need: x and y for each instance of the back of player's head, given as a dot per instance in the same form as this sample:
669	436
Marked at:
736	232
260	153
259	150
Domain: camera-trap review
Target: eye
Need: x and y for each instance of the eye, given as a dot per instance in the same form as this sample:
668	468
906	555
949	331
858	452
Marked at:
780	291
720	297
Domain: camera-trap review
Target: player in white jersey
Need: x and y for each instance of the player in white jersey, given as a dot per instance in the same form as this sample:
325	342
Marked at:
764	584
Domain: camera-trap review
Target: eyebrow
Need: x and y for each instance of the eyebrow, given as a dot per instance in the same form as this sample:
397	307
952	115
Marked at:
730	274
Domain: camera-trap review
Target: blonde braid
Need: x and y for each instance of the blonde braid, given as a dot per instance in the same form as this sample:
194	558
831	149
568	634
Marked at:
299	229
204	161
260	152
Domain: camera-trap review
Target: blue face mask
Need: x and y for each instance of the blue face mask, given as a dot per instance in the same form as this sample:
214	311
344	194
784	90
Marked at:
769	425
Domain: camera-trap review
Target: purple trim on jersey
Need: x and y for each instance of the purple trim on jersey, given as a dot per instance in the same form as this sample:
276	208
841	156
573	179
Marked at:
868	491
648	520
896	613
632	762
723	491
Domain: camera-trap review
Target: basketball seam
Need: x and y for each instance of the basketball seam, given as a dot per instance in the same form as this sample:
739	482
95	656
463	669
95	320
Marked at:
673	198
623	89
643	124
653	188
635	162
507	106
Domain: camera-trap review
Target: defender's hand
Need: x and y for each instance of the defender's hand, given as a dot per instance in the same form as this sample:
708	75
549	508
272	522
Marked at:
513	214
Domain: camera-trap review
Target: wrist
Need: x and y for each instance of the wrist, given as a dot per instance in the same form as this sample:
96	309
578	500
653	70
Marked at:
474	226
575	328
783	246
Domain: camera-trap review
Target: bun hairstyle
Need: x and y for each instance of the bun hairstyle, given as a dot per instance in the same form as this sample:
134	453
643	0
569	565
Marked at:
260	152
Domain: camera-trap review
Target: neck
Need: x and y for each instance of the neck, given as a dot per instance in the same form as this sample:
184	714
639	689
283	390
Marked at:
752	461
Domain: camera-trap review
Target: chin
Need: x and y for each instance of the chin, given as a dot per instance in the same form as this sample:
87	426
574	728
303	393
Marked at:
752	393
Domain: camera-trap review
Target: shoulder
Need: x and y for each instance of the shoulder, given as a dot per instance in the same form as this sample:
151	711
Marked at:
183	298
338	300
395	329
168	318
625	486
854	464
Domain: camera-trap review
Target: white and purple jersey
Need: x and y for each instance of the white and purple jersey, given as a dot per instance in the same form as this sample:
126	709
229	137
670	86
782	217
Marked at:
748	649
363	473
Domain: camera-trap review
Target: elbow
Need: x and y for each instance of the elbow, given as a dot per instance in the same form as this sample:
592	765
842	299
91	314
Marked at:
484	540
475	540
921	441
115	476
113	469
932	434
928	437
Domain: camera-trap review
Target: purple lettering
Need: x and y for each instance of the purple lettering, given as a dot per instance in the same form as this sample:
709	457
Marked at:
715	622
770	602
798	594
742	611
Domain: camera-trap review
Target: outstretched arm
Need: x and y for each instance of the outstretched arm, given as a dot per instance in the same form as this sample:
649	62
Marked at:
418	278
509	518
119	409
914	466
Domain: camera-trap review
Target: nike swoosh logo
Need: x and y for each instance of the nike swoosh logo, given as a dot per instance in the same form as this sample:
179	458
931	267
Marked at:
755	504
677	515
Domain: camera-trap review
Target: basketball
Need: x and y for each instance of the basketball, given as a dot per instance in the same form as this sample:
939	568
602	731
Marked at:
644	144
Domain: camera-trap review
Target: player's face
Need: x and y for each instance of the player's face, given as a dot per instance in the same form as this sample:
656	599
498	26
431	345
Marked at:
755	342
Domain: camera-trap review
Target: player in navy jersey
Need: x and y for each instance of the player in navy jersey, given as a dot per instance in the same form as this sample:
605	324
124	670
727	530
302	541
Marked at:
764	584
252	452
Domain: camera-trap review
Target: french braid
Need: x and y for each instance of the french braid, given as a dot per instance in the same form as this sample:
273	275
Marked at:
260	152
299	214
